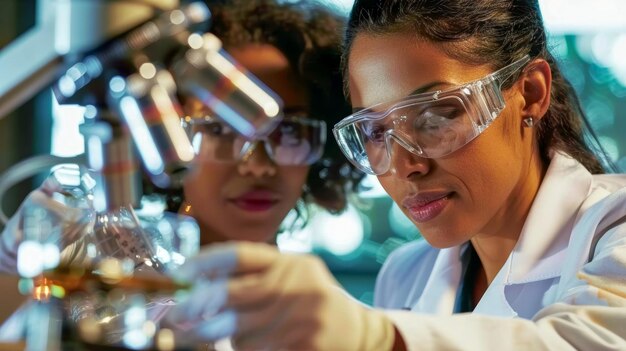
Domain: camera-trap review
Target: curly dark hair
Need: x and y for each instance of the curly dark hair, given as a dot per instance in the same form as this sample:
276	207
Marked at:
309	34
495	32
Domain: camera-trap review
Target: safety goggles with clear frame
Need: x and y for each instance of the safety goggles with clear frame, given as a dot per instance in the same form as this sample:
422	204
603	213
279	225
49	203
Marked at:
429	125
296	141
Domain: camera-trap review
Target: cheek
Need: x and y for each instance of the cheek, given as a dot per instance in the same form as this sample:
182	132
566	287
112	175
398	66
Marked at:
395	188
293	179
203	186
388	184
489	167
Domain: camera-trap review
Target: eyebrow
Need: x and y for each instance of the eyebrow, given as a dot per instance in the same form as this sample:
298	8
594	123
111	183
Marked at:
422	89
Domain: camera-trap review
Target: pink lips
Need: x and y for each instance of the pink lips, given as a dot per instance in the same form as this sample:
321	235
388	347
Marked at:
426	206
257	200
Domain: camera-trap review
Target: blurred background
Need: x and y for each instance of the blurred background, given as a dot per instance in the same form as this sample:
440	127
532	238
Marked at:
589	37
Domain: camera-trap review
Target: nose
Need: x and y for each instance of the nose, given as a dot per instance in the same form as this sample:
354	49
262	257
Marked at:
256	162
404	163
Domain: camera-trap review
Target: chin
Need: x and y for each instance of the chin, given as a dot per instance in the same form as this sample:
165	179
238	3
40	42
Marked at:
257	234
442	238
240	233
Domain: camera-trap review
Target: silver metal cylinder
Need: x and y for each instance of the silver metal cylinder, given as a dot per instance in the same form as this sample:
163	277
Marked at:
110	155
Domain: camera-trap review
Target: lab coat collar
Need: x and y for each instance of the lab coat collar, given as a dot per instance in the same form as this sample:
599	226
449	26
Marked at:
439	292
545	236
537	254
542	245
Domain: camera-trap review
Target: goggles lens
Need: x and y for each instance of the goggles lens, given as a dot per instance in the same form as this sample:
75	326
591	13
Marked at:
429	125
295	141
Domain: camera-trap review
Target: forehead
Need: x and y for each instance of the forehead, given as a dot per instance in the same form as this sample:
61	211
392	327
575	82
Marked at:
391	66
270	65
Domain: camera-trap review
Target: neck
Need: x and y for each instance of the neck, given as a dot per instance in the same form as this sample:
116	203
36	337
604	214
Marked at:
209	236
498	239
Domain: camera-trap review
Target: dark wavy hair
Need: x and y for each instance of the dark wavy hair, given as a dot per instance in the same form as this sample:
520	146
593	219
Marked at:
309	34
494	32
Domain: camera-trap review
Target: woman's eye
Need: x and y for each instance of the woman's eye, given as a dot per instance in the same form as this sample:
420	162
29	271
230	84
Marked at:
217	129
376	133
426	123
435	118
290	134
290	129
441	112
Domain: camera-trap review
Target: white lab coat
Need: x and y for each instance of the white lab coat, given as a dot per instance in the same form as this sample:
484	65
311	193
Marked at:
563	286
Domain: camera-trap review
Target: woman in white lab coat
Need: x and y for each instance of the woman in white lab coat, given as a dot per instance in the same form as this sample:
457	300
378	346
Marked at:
465	118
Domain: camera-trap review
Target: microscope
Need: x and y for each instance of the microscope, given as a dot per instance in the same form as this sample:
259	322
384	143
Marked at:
128	62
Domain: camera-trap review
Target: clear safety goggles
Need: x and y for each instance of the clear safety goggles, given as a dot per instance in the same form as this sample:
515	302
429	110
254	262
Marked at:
295	141
430	125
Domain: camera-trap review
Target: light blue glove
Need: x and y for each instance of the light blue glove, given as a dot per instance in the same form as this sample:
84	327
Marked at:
263	299
206	301
44	218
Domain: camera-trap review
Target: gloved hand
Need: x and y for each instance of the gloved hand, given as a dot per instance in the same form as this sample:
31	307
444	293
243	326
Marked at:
266	300
55	222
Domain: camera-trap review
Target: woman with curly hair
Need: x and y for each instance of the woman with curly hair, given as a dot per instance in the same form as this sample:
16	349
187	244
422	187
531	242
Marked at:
242	189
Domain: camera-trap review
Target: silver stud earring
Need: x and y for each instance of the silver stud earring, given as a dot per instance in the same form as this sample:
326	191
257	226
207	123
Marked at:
529	122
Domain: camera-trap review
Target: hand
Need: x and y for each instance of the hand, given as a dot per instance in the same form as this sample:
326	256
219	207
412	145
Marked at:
55	223
271	301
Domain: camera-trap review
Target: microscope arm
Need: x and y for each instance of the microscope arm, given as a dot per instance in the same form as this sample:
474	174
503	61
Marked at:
64	30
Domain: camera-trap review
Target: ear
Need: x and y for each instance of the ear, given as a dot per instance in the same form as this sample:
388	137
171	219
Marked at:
536	86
